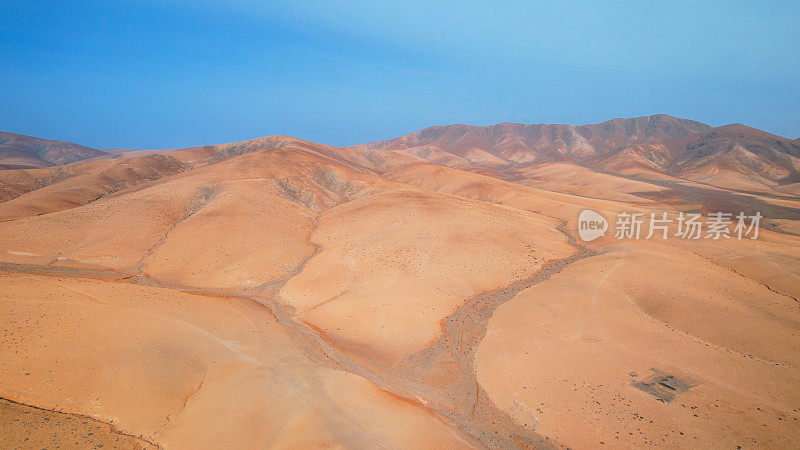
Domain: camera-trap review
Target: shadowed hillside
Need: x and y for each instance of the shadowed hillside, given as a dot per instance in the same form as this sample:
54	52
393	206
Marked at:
659	143
18	151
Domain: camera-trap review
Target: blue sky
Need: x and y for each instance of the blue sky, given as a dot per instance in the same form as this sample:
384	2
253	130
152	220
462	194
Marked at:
179	73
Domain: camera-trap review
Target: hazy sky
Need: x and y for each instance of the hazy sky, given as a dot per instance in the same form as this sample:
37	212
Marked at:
163	74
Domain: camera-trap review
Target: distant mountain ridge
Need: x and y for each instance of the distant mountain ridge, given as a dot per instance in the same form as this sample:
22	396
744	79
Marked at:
18	151
636	146
521	143
659	143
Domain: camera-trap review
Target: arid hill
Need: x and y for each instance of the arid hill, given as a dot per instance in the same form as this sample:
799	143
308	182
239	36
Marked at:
426	292
18	151
638	146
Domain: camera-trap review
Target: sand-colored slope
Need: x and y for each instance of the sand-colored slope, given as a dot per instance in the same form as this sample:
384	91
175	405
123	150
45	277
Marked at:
578	180
773	260
41	191
242	236
184	369
253	217
116	232
563	356
474	186
25	193
392	266
435	155
254	227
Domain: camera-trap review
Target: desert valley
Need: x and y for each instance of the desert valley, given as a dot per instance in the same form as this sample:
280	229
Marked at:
429	291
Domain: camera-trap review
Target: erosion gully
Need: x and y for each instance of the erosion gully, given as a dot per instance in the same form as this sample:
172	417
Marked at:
441	378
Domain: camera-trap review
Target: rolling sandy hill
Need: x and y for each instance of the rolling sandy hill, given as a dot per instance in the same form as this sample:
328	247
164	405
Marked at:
425	292
18	151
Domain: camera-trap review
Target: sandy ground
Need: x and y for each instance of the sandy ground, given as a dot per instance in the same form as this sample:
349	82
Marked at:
28	427
565	355
285	294
163	365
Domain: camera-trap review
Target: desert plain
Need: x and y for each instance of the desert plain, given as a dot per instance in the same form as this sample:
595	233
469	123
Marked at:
430	291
